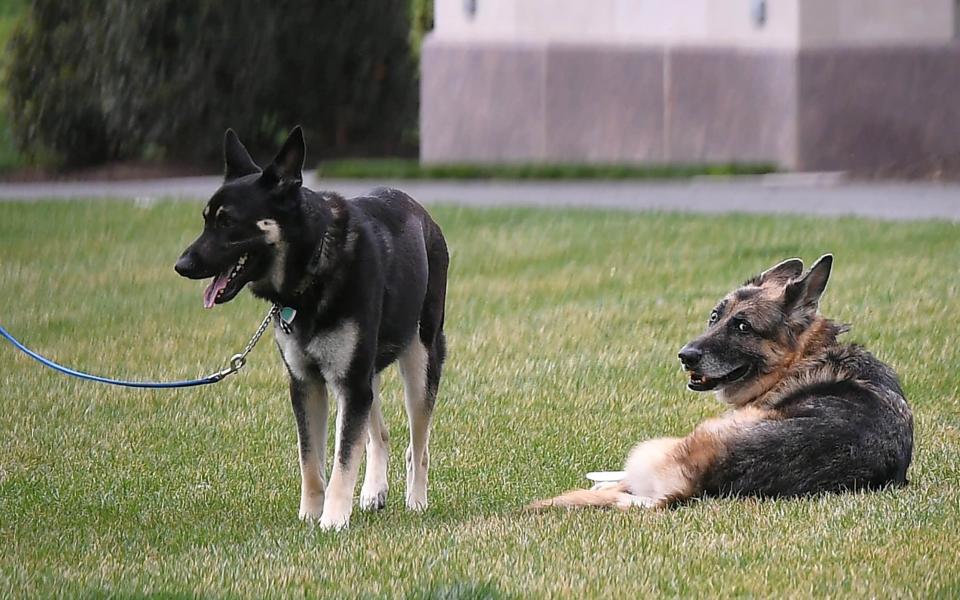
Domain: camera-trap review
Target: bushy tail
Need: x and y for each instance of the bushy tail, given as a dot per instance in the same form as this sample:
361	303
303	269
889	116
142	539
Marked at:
615	496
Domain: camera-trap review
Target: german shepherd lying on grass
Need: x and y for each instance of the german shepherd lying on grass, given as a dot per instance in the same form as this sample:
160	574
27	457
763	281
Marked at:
808	414
362	283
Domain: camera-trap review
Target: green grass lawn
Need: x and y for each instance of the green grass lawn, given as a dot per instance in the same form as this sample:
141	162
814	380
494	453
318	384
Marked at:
563	330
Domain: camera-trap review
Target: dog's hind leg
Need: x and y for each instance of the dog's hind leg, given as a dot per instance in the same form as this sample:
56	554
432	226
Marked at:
373	494
419	391
309	399
420	365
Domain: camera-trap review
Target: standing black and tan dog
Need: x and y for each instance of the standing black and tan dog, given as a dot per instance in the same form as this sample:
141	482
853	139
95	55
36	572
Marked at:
362	282
808	414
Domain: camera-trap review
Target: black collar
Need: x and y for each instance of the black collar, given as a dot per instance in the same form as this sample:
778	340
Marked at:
314	267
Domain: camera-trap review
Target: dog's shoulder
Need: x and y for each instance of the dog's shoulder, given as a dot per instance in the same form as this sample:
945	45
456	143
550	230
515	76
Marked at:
389	207
853	362
844	375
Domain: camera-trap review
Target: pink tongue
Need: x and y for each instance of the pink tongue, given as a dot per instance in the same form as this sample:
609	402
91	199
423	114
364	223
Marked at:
210	294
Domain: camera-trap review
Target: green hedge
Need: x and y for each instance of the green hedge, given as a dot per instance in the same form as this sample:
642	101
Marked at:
421	22
96	80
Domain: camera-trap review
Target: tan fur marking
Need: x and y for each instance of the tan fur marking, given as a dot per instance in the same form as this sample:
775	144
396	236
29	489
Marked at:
313	463
412	363
270	229
653	471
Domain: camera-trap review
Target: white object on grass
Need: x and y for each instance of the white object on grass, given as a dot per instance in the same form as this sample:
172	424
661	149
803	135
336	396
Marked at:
606	476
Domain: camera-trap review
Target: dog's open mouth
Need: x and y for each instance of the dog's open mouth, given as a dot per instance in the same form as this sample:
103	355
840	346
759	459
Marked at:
702	383
220	289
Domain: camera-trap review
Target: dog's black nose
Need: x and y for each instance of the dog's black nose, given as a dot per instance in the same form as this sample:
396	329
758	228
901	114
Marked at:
690	355
185	266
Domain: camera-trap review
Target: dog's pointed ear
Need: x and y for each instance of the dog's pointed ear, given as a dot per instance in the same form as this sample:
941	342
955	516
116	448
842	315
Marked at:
236	158
804	293
287	166
781	273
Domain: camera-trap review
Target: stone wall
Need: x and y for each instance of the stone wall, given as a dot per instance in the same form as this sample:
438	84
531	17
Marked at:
645	81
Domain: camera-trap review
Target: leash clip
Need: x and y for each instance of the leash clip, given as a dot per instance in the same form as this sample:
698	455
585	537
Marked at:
237	361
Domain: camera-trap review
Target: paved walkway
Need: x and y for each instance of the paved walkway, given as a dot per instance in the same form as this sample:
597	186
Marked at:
780	194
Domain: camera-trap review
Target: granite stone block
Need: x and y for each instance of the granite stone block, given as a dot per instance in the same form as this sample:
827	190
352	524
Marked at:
604	104
482	103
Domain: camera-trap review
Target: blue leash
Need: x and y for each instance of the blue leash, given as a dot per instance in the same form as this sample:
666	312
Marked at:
237	361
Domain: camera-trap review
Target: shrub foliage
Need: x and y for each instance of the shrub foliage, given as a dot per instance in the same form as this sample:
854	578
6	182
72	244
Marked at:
95	80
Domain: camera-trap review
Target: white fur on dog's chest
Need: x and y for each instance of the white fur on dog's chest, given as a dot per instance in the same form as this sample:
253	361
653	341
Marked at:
330	351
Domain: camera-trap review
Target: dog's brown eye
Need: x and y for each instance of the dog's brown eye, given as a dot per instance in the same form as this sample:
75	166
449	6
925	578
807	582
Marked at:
713	317
743	327
224	220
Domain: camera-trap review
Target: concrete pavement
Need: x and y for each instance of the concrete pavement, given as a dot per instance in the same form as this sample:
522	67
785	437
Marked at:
823	195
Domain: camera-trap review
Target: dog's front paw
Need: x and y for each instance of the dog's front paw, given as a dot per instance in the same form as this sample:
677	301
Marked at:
334	522
311	507
417	502
604	485
309	516
627	501
373	498
336	514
